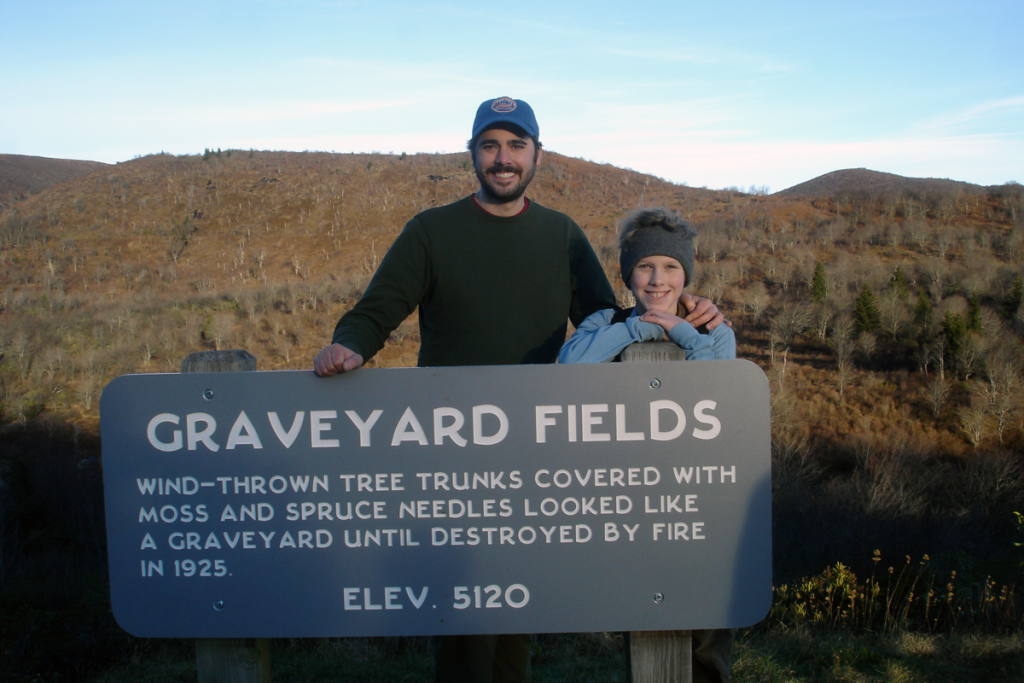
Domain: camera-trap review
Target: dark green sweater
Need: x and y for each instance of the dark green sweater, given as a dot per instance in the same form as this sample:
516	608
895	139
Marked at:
491	290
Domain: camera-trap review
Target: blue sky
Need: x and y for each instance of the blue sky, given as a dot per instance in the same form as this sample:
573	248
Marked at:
708	94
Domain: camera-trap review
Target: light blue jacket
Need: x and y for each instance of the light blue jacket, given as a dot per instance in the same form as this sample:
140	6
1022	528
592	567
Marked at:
598	340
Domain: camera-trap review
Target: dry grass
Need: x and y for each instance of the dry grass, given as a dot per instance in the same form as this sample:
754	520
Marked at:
132	268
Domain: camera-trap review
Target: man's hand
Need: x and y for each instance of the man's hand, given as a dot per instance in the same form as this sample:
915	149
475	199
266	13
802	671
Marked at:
703	312
334	359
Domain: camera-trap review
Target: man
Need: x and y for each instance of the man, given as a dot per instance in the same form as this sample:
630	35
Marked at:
496	277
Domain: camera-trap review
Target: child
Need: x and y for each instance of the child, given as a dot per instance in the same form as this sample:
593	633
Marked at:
656	259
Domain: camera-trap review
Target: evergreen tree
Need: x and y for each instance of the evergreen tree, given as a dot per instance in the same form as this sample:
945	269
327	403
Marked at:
898	281
923	315
1016	295
974	315
954	330
865	311
819	285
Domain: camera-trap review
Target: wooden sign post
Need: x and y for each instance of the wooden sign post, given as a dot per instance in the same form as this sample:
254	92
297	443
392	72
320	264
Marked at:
229	660
658	656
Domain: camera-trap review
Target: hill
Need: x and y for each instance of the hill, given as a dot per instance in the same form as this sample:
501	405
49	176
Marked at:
21	176
861	181
155	257
132	268
888	323
185	225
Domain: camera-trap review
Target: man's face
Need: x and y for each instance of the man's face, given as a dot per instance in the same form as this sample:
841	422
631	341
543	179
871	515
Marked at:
505	163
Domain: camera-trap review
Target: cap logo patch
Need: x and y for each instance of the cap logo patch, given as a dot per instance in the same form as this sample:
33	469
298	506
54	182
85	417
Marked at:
503	105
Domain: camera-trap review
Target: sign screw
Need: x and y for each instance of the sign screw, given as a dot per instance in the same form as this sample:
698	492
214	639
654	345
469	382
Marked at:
218	605
208	394
659	597
655	383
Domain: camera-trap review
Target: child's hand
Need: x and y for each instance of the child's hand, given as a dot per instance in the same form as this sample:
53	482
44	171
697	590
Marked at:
666	320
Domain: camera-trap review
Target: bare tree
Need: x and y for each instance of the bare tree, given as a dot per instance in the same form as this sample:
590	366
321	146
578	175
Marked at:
1003	409
221	329
790	322
147	347
821	321
937	392
756	300
939	347
968	357
942	241
282	344
936	271
844	377
924	355
88	388
1002	391
895	315
918	231
973	420
23	349
868	343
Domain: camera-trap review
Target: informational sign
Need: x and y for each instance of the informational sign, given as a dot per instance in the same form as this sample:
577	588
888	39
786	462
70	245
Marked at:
417	501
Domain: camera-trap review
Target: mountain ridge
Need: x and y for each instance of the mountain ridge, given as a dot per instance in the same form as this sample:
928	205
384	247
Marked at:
863	180
24	175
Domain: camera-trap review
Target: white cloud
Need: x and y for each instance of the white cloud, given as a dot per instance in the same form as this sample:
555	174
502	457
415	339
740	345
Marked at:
977	114
981	159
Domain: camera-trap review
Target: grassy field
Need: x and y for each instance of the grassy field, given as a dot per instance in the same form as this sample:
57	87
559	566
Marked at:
901	623
779	655
889	320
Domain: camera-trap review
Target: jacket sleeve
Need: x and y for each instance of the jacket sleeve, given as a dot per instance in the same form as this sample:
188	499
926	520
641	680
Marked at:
697	346
723	343
598	340
400	283
719	344
591	291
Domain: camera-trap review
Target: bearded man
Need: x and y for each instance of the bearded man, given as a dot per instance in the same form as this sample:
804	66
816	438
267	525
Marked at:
496	277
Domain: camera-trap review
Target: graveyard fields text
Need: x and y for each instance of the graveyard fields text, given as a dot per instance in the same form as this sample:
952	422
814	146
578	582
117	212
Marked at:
360	510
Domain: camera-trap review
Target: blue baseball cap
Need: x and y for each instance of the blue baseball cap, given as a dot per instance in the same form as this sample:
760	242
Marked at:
508	111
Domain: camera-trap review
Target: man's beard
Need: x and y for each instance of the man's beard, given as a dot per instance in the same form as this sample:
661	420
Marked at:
505	195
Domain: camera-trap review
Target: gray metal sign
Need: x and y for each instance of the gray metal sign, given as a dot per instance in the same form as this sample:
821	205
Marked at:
605	497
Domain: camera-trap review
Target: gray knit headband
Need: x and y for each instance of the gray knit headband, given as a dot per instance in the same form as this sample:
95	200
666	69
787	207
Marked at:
655	232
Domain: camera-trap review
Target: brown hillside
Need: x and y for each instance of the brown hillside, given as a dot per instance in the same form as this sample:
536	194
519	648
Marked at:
889	325
132	268
861	182
184	225
21	176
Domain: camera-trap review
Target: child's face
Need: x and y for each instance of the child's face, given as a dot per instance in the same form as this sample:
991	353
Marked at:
657	283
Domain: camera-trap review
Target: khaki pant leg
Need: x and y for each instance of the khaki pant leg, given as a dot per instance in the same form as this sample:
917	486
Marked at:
512	658
483	659
712	655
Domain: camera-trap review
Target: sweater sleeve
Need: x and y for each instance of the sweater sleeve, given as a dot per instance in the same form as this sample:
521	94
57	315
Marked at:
695	345
591	291
598	340
395	290
719	344
723	343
